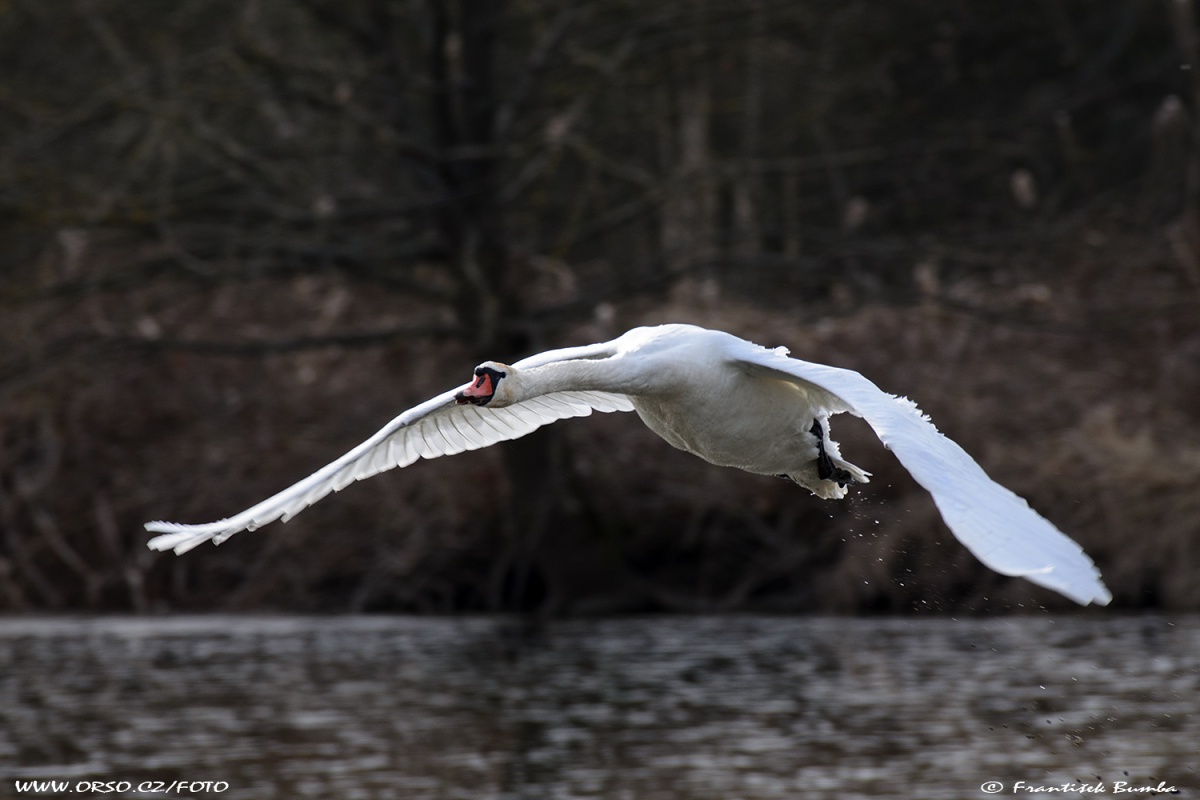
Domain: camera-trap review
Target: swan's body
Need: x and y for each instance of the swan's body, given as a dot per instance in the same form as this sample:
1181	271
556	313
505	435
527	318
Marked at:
716	396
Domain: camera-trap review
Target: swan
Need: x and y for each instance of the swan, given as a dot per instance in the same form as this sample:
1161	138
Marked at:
717	396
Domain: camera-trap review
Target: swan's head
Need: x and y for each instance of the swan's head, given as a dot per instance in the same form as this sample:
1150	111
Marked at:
489	386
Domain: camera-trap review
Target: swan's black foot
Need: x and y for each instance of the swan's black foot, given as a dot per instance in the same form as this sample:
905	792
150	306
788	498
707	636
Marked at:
826	469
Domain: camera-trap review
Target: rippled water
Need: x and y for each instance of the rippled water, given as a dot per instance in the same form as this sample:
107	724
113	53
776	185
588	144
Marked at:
664	707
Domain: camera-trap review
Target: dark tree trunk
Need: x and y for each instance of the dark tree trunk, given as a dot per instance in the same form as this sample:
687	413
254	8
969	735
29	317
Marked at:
491	304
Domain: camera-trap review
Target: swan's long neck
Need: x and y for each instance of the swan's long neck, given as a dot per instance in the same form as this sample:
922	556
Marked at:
619	375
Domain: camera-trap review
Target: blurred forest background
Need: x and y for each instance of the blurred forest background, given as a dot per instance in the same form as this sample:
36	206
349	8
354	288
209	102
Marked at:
238	236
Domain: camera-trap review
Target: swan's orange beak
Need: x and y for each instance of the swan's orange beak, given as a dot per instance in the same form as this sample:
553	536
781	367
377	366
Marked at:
478	392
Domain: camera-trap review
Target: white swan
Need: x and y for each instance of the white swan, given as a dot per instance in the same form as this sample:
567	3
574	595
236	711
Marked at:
719	397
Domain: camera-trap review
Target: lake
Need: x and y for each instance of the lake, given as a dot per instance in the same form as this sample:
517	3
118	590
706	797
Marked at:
718	707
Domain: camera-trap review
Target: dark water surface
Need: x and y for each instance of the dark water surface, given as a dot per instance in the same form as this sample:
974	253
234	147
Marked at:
662	707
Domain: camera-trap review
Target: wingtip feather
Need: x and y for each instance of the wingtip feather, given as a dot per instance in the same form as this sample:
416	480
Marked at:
177	537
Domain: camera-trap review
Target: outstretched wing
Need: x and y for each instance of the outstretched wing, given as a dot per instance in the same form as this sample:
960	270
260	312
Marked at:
437	427
996	525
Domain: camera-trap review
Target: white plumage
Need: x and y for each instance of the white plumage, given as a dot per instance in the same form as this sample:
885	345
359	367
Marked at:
721	398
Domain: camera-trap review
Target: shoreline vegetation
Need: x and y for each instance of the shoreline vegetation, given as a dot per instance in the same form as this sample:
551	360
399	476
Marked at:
239	238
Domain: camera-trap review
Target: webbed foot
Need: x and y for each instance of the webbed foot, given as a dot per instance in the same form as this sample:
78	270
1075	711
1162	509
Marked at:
826	469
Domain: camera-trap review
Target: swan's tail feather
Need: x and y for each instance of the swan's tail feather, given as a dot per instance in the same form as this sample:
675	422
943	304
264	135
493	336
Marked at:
857	473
